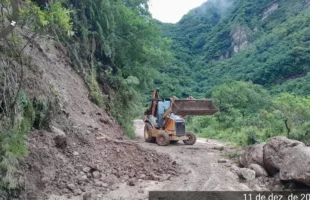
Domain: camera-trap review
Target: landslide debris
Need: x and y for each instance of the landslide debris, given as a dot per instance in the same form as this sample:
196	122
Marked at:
96	165
71	157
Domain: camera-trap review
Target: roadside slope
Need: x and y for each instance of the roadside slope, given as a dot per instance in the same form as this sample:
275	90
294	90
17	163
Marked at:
94	154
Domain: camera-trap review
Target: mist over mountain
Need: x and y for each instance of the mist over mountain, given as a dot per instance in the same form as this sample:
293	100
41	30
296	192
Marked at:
221	6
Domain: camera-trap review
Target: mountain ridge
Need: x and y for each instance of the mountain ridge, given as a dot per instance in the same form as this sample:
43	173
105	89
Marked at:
206	42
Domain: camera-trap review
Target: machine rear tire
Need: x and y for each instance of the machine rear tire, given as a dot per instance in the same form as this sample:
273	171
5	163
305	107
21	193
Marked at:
163	139
192	138
148	130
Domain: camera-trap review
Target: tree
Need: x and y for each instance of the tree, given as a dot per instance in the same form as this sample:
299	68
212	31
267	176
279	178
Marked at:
295	114
244	97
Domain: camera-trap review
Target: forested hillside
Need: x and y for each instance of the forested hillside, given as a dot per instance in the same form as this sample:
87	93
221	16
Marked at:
261	41
118	46
264	43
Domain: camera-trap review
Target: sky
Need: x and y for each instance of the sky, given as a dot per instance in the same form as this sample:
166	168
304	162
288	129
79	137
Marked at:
171	11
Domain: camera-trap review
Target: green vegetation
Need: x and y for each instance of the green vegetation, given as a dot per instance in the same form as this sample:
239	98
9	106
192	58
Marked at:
222	43
95	94
118	47
52	18
214	44
249	115
13	145
31	114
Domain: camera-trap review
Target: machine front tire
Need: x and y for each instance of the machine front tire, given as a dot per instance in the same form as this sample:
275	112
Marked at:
192	138
148	130
163	139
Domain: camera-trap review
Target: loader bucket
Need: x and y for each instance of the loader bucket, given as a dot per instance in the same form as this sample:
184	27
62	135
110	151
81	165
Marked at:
193	107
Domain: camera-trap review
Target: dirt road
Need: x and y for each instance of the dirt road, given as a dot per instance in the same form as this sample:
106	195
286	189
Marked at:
200	170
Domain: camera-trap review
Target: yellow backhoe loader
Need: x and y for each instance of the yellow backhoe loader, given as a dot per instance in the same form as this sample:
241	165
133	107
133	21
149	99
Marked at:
164	118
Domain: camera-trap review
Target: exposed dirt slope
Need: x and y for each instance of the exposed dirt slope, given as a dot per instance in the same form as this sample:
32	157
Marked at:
85	164
53	77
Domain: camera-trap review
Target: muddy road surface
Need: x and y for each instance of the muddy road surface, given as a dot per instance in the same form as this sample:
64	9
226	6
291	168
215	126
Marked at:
201	169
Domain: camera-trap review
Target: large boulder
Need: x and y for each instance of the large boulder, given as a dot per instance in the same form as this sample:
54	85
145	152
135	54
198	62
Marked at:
252	155
289	158
296	165
275	151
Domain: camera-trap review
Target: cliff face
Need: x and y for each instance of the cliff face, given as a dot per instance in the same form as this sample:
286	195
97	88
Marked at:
270	10
240	39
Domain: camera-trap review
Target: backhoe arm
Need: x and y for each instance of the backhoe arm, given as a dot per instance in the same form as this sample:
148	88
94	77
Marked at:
154	103
152	107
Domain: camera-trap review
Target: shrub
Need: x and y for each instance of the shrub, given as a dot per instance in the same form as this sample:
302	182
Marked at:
95	94
14	143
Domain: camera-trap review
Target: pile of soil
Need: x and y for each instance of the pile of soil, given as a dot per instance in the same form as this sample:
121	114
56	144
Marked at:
84	162
88	164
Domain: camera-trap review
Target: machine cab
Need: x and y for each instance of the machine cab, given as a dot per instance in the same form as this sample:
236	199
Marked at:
162	107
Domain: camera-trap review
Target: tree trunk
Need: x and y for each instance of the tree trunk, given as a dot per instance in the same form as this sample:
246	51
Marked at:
287	128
